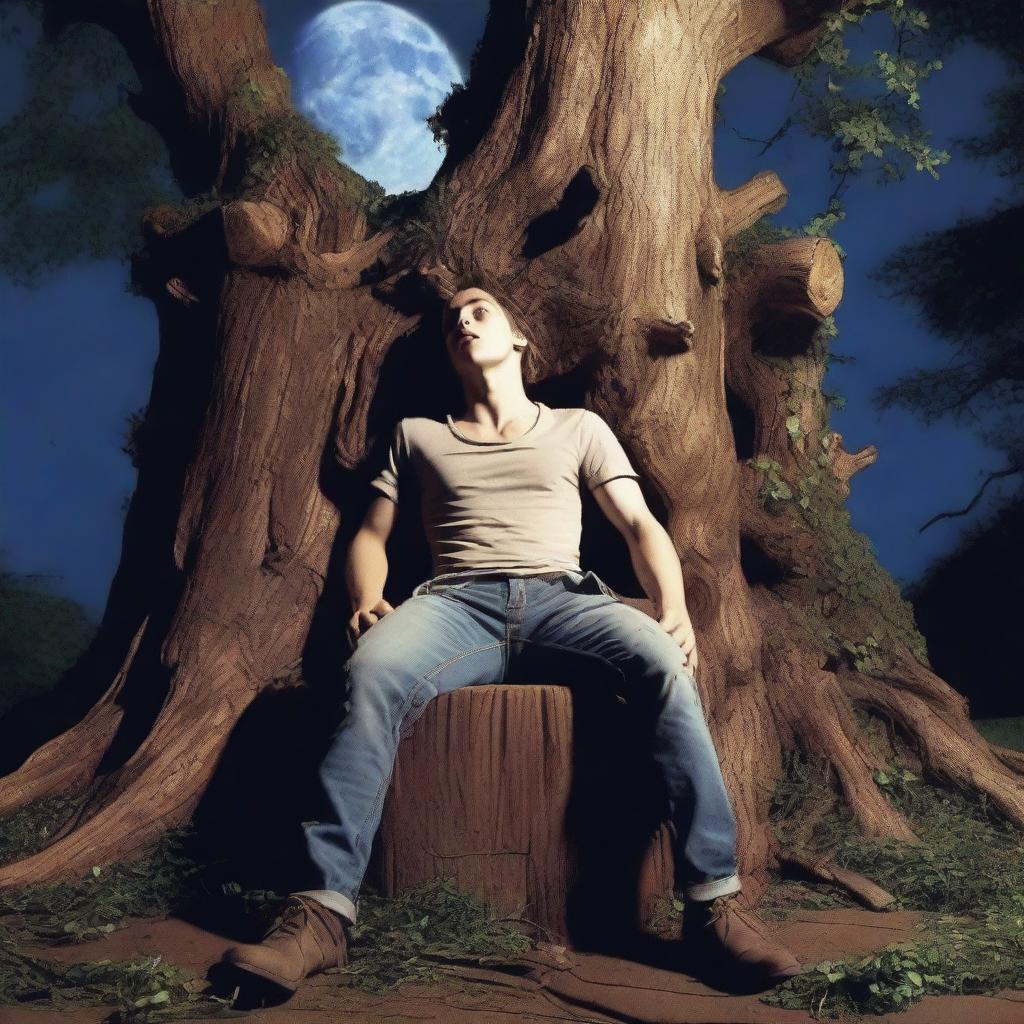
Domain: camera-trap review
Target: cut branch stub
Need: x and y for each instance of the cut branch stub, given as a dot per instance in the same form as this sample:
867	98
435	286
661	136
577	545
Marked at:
667	336
843	463
255	232
165	220
797	283
179	290
260	234
746	205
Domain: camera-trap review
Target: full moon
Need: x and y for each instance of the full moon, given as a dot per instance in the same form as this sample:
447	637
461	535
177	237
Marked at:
370	73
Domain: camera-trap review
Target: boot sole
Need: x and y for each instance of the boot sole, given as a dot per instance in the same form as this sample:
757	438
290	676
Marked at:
728	976
265	975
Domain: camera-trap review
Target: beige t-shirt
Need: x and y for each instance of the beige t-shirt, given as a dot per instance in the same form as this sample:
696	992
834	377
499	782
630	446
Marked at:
504	506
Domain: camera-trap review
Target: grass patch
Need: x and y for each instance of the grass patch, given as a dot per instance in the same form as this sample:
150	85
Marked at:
789	894
99	903
966	875
406	937
146	988
1005	732
32	827
397	940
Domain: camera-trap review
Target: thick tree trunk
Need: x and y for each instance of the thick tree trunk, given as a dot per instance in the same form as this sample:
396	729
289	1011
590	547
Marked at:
580	175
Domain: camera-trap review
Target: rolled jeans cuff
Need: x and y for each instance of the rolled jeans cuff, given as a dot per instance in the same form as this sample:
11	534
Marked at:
711	890
335	901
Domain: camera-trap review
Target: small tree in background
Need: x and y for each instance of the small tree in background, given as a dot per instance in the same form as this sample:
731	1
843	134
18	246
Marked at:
41	636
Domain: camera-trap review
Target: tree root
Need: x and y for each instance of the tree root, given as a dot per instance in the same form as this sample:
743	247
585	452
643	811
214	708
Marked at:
829	729
873	896
815	714
156	789
1013	759
949	746
68	761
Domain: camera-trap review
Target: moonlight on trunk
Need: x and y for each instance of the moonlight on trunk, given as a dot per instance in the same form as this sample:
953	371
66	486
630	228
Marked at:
294	302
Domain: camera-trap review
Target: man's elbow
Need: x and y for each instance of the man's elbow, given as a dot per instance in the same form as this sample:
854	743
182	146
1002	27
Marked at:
641	524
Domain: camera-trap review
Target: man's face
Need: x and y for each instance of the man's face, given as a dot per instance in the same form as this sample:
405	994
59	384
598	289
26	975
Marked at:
476	330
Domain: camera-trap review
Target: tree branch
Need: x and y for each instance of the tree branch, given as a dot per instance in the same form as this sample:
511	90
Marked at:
261	234
780	30
746	205
794	285
996	475
843	463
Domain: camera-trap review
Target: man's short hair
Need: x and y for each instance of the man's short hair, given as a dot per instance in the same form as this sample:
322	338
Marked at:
508	306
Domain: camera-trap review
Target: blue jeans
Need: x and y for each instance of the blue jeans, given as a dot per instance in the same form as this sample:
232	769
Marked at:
450	634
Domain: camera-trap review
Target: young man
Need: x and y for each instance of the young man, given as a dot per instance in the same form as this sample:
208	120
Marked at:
501	508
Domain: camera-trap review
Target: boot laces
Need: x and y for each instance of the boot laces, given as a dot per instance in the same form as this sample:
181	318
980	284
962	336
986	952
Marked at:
294	918
728	904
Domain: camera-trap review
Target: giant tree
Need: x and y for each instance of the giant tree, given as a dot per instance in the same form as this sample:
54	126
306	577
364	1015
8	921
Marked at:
295	306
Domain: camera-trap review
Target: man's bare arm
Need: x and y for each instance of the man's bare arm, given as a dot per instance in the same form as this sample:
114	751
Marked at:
366	567
654	559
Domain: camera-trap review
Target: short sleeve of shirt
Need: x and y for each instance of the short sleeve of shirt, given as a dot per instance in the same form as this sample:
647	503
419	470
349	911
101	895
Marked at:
386	481
602	456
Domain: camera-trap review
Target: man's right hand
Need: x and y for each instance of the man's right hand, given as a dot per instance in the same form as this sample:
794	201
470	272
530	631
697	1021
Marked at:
363	618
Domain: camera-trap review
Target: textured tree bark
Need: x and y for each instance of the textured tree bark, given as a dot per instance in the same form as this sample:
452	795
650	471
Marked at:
479	794
483	792
579	174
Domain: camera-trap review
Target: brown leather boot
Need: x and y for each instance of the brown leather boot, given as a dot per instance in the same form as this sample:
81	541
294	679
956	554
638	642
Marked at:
735	943
309	937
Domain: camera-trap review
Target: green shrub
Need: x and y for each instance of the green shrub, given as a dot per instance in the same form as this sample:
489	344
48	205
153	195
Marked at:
966	875
396	939
41	637
402	938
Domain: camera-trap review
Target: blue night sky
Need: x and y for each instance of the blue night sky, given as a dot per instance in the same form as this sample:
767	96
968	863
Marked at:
78	351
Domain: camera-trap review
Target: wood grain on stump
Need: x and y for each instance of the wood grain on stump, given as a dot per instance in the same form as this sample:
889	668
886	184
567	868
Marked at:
486	789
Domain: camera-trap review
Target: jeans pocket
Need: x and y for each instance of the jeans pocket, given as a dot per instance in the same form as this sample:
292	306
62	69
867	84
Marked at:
593	584
441	587
436	587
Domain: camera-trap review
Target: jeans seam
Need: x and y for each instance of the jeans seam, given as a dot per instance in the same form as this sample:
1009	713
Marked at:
378	797
458	657
604	588
378	800
406	705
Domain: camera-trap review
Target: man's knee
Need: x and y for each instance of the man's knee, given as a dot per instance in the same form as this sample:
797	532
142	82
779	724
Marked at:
377	681
665	664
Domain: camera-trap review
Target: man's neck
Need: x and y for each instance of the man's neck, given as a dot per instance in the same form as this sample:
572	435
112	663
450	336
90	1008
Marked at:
495	398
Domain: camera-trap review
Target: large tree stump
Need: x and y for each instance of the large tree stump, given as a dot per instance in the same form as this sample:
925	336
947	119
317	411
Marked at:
526	796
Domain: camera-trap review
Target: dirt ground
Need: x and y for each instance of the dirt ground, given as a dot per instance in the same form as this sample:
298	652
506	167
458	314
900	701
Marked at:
554	985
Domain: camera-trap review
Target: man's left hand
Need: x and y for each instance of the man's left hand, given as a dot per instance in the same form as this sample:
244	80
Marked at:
678	626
